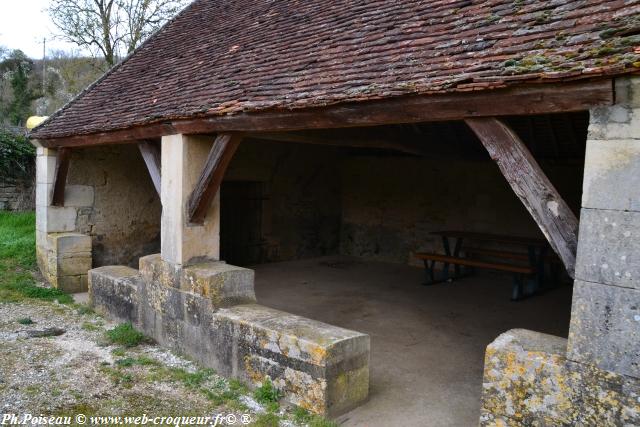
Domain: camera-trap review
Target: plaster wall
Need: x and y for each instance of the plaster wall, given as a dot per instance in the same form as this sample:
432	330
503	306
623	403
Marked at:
390	205
302	202
122	209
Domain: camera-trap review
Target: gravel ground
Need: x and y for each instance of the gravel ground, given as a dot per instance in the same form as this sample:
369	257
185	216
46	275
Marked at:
78	371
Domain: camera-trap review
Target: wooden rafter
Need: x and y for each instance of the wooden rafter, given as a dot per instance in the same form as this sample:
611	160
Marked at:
60	178
151	155
526	100
208	184
554	217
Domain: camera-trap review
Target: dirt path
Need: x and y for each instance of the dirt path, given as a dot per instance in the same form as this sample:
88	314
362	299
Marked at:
76	370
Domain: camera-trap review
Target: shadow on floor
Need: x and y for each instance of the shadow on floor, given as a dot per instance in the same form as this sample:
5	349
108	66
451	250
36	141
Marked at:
427	343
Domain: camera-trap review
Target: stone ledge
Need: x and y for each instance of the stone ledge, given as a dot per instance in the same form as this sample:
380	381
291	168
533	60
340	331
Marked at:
529	382
320	367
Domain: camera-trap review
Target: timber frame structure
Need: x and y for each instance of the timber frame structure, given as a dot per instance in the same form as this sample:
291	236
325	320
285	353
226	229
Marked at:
187	149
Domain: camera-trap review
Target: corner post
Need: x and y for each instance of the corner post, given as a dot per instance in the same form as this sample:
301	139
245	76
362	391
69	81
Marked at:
605	316
183	243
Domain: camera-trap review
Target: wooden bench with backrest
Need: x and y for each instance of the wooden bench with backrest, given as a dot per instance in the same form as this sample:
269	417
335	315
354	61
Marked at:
522	274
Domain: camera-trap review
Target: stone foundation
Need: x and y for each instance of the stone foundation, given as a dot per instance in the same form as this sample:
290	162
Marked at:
65	259
528	381
208	311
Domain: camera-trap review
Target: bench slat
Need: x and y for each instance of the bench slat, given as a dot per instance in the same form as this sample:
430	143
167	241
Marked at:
469	262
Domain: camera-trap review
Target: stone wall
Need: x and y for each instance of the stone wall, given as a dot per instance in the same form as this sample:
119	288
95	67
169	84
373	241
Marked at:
208	312
301	210
17	195
121	209
390	205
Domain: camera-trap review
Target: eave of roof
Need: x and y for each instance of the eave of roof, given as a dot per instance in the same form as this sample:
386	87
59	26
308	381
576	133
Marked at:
223	70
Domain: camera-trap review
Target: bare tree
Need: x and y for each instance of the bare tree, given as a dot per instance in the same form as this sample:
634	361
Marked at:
111	28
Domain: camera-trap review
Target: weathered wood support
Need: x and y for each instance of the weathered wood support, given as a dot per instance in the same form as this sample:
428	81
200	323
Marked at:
60	179
222	151
528	100
151	155
554	217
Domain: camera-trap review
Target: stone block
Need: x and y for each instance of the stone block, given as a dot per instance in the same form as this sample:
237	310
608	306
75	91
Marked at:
627	90
44	194
614	122
317	366
529	382
55	219
612	175
609	248
74	264
223	284
69	243
78	195
605	327
45	169
72	284
323	368
113	292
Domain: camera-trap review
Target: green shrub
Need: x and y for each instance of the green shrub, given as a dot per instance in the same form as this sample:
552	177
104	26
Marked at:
17	156
25	321
125	335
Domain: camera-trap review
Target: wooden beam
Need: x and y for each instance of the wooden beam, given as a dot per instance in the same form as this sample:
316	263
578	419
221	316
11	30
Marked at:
303	137
60	178
222	151
554	217
522	100
151	155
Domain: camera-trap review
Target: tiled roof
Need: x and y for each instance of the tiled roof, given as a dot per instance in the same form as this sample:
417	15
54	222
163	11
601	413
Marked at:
222	57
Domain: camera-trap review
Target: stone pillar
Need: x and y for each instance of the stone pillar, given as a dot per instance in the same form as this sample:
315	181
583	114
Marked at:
183	158
64	256
605	318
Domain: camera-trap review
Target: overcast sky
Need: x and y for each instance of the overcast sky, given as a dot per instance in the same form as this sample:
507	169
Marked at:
23	25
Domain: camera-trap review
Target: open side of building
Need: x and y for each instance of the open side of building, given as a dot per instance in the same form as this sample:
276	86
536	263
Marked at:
318	155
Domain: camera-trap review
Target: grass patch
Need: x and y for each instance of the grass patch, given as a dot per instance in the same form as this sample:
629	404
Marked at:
125	335
267	420
90	327
18	260
267	394
25	321
132	361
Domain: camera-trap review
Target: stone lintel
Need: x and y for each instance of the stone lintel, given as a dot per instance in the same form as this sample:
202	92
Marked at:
529	382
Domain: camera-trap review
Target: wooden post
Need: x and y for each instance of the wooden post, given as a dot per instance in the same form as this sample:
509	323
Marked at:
554	217
60	179
222	151
151	155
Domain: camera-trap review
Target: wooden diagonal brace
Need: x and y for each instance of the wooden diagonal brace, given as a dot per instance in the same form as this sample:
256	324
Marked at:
60	178
151	155
554	217
222	151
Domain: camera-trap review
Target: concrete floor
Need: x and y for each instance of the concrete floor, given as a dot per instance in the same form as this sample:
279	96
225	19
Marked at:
427	343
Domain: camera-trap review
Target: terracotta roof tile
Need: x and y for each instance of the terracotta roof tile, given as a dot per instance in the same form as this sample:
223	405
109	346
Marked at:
223	57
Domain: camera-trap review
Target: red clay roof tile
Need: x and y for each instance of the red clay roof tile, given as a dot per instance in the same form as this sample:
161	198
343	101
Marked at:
224	57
